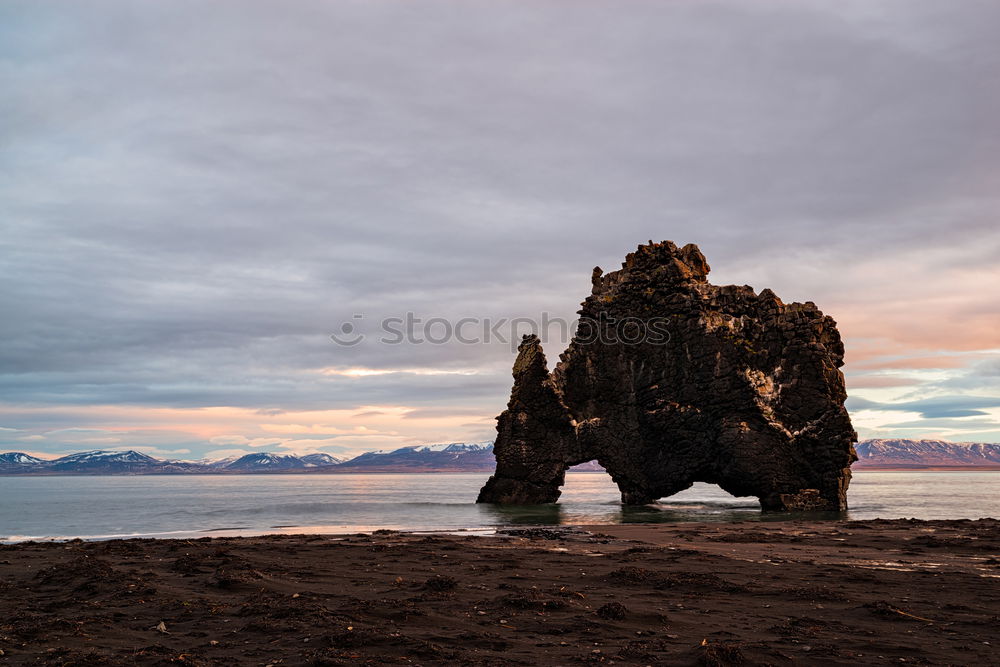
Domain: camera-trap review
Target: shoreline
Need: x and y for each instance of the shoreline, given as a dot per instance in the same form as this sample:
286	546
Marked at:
849	592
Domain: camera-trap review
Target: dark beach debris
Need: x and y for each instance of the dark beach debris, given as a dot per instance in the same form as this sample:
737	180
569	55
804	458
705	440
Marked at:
348	644
89	577
630	575
818	593
973	543
635	575
351	636
189	564
231	574
544	533
613	611
886	610
643	649
440	583
640	553
806	626
711	654
81	573
296	610
150	655
29	625
641	550
752	536
532	599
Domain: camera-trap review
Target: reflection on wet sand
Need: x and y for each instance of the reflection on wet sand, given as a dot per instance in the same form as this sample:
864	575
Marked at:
524	515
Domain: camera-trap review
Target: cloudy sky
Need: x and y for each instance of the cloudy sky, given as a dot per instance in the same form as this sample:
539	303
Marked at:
194	196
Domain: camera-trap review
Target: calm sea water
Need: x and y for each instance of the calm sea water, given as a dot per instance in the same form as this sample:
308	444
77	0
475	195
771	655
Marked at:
183	506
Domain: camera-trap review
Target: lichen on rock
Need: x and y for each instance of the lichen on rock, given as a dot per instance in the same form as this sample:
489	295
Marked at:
735	388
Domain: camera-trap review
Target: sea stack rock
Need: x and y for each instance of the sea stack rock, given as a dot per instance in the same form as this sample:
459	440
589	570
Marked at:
671	380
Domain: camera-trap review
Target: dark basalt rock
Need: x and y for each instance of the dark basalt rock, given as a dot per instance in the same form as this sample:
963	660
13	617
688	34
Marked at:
671	380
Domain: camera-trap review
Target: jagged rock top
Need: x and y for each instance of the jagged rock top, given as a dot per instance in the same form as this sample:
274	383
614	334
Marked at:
663	263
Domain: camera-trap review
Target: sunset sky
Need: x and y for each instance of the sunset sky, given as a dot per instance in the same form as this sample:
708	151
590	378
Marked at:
194	196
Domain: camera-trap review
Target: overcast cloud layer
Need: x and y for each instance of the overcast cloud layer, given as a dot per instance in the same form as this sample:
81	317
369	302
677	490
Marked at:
194	196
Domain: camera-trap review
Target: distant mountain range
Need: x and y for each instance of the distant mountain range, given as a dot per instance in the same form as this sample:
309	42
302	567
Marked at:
449	457
926	454
103	462
265	461
455	456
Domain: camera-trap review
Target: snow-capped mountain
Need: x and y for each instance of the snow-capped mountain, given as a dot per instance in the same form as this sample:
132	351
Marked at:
19	459
452	456
452	447
320	459
589	466
216	463
93	462
898	453
104	456
456	447
105	461
266	461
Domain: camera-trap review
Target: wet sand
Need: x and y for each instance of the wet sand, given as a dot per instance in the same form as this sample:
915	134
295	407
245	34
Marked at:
780	593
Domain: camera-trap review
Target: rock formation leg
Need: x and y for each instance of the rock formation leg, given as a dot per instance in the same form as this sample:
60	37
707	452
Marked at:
526	472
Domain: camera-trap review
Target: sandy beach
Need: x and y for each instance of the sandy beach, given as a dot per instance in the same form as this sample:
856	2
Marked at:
873	592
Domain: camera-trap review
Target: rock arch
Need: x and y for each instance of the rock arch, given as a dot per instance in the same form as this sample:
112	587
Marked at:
725	386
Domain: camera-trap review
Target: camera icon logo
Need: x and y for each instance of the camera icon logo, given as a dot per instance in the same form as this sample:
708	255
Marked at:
348	336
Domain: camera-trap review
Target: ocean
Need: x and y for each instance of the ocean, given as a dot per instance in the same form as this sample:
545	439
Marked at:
93	507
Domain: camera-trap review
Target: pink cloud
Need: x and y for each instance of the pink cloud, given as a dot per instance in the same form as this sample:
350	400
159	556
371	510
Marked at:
880	382
941	361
